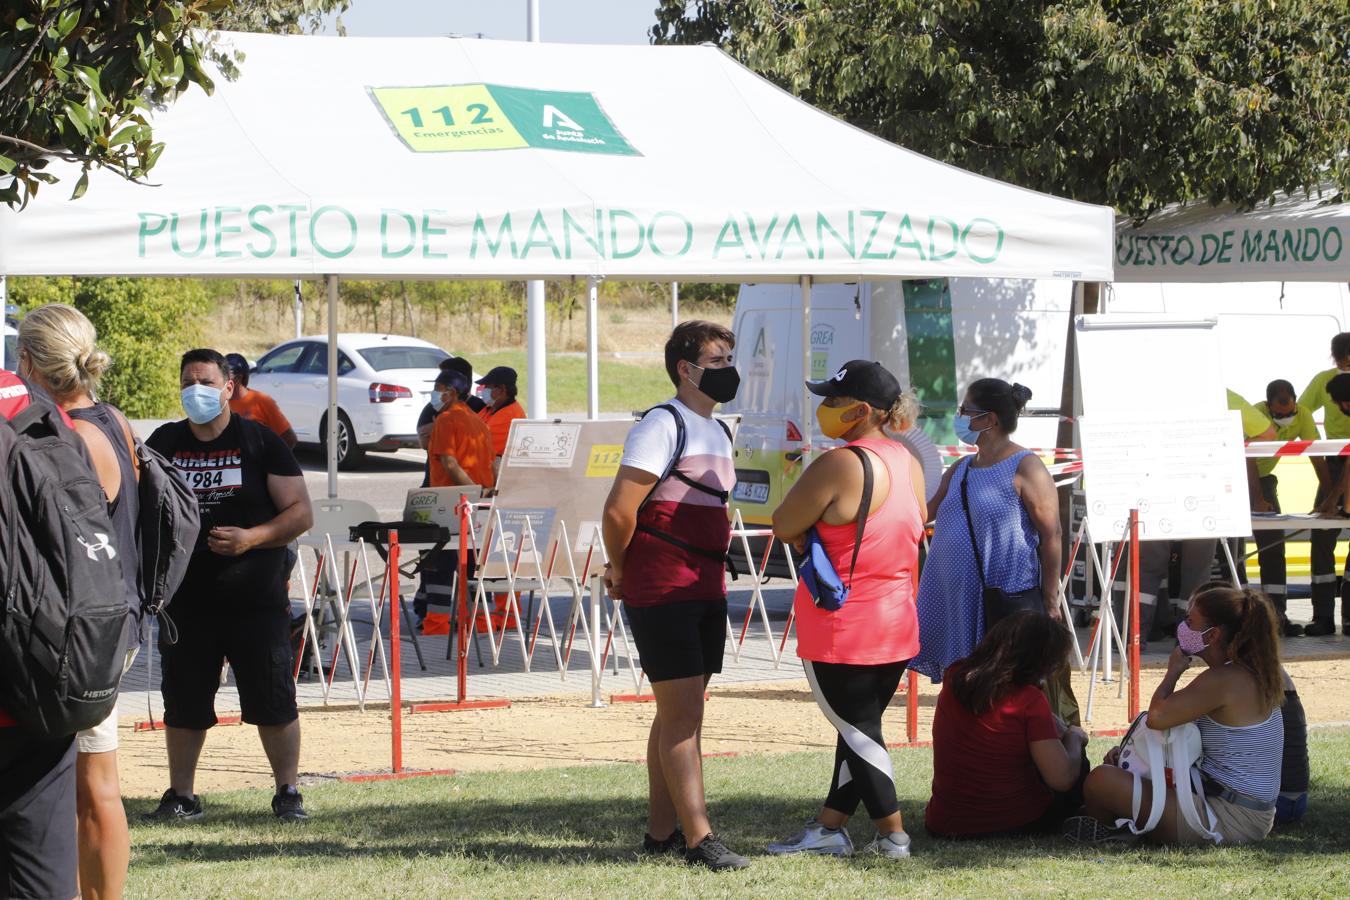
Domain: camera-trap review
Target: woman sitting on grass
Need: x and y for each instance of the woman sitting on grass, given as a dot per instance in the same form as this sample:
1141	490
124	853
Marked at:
1002	762
1235	703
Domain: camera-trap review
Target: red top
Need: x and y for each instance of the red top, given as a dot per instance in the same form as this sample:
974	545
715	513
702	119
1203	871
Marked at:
878	624
984	779
13	395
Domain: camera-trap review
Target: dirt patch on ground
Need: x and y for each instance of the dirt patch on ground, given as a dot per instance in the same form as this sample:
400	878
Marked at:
541	732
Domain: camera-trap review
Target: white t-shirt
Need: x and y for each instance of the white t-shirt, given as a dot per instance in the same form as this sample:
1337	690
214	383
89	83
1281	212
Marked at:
707	454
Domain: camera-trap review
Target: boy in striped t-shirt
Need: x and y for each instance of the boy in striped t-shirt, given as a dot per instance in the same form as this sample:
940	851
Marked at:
666	532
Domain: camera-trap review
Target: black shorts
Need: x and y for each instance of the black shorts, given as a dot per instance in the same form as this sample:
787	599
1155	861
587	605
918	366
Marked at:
253	635
37	816
679	640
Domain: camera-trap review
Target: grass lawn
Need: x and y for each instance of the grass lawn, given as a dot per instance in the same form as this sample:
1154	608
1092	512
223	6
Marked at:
571	832
624	386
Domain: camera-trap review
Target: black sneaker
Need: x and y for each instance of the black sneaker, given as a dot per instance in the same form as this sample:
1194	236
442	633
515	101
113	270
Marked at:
713	854
176	808
1292	630
289	806
1319	628
1087	830
673	844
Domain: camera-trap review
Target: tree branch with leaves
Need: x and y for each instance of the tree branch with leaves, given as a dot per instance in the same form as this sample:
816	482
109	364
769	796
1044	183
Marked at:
79	79
1134	104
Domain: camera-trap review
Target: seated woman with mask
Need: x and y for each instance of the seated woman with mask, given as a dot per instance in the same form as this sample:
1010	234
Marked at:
1236	704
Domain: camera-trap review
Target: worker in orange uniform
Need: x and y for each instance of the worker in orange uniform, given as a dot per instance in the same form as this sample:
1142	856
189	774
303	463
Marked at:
460	452
499	392
256	405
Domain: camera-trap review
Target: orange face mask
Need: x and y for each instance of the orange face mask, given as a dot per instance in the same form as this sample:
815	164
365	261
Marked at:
831	419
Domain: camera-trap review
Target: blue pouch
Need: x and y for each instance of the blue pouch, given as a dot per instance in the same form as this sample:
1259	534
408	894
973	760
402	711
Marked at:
816	571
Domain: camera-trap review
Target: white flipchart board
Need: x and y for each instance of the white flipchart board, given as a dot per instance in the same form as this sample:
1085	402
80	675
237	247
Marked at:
1156	431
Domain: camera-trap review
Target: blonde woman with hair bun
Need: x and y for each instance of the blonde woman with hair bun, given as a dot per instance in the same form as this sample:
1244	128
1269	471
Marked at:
59	354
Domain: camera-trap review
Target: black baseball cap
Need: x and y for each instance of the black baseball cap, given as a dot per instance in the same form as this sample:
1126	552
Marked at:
863	380
235	362
503	375
453	378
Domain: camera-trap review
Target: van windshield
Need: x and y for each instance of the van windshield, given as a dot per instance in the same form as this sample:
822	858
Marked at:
382	358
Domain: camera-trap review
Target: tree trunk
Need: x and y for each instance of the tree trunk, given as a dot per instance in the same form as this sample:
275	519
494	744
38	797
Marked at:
408	323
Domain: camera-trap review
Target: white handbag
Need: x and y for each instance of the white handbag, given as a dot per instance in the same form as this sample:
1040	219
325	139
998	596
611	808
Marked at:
1160	756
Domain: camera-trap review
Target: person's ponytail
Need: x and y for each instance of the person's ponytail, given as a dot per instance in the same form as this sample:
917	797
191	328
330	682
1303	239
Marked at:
1255	644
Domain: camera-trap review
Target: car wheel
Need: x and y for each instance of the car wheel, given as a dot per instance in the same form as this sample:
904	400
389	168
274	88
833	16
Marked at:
349	454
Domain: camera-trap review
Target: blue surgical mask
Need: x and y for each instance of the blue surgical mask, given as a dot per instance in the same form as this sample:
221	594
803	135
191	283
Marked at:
968	435
202	403
437	400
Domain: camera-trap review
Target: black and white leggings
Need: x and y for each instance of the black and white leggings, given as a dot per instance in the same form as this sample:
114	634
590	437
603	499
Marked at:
853	698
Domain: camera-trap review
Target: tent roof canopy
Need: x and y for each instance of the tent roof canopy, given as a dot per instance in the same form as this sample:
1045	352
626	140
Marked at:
1297	237
445	157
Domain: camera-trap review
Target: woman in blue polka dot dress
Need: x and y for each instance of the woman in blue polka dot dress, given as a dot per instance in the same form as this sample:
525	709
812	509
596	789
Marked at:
1014	511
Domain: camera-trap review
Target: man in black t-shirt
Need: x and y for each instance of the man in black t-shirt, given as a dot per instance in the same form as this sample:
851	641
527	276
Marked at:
232	605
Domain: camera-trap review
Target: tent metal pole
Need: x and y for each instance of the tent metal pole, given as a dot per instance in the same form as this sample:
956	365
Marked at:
592	348
674	304
536	365
332	418
299	312
806	371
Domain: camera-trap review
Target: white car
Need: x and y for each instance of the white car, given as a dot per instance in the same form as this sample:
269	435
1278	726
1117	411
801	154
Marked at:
11	361
384	382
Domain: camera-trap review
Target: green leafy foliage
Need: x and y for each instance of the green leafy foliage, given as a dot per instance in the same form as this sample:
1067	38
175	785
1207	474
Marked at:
78	78
144	324
1133	103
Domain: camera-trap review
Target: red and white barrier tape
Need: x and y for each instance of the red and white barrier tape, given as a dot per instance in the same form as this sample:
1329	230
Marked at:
1066	452
1265	449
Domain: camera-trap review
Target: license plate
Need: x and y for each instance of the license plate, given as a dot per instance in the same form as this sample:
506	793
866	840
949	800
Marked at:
750	492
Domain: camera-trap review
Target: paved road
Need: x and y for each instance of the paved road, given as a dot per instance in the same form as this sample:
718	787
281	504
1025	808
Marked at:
383	480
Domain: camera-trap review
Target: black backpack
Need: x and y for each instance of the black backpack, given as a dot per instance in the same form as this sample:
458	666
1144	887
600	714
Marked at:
167	526
681	441
63	633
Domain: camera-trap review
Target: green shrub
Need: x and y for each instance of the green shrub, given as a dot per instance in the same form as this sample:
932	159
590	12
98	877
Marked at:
144	324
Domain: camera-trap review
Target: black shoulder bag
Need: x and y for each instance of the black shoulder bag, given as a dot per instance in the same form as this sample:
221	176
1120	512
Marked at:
998	603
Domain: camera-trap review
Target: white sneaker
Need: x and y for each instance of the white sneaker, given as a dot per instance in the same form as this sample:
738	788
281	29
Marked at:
815	839
892	846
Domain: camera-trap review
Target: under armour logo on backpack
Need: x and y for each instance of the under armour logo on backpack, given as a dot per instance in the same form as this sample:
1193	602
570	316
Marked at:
102	544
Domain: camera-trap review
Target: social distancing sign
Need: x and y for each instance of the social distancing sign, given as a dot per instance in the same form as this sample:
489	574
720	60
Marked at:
460	117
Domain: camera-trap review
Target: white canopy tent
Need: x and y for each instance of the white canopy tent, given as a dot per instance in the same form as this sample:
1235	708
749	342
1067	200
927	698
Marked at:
1296	238
458	158
1272	276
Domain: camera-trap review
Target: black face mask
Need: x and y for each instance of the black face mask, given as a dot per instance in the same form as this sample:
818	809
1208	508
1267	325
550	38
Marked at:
719	384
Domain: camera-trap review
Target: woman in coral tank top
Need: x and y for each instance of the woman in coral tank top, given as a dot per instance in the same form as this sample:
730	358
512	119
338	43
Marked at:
855	656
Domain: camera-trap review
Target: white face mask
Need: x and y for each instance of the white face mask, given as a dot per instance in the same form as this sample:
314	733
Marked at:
1284	421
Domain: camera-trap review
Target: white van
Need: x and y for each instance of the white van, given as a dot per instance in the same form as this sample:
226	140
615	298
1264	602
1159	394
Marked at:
936	336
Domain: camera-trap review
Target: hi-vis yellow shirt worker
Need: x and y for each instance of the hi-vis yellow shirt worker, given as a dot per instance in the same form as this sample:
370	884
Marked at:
1335	423
1254	422
1302	428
